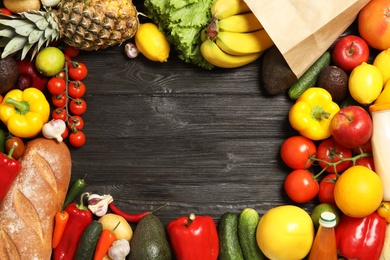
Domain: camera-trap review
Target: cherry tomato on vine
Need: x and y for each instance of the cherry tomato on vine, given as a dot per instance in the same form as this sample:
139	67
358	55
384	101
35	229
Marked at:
329	151
71	51
19	146
76	89
56	86
77	138
77	70
61	74
366	162
65	133
75	123
5	11
296	152
301	186
365	148
325	193
59	100
77	106
59	113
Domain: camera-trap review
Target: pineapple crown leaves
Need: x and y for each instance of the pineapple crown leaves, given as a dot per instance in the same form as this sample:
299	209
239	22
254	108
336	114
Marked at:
27	30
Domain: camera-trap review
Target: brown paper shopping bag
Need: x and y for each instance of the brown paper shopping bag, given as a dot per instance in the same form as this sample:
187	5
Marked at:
304	29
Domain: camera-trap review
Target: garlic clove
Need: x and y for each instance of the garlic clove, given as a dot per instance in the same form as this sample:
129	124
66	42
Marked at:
54	129
98	205
131	50
50	3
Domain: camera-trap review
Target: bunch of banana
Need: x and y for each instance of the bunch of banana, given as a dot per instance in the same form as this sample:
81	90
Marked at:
235	37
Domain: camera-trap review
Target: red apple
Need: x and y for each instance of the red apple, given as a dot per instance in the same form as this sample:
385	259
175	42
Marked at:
351	126
29	76
349	52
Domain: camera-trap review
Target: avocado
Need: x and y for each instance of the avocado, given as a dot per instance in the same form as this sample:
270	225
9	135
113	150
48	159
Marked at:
9	74
335	81
277	76
150	241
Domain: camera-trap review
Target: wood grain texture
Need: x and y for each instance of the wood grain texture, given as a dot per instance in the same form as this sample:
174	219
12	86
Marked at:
202	141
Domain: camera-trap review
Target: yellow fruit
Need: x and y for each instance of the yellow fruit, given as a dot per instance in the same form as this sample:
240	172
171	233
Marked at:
358	191
384	96
285	233
152	43
365	83
50	61
382	62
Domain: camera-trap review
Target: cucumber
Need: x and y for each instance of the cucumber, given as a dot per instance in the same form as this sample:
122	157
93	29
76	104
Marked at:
229	245
309	78
247	226
88	240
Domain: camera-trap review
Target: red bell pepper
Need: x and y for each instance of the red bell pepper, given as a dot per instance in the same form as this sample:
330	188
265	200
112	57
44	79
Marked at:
194	238
79	218
361	238
9	169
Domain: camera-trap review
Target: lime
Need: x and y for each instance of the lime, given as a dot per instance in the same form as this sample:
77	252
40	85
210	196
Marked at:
365	83
50	61
320	208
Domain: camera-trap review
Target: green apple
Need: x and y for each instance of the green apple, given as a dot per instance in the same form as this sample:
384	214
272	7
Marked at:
316	213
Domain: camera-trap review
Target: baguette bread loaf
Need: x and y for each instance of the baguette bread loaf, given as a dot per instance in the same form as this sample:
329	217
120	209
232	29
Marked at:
27	211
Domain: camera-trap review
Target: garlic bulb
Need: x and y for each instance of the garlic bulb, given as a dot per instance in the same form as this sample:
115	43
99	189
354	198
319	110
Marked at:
54	129
119	249
131	50
98	205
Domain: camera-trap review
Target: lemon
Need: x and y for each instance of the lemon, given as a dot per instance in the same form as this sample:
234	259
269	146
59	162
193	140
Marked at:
365	83
152	43
285	233
382	62
384	96
358	191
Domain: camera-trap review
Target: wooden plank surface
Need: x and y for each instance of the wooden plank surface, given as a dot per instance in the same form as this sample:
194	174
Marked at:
203	141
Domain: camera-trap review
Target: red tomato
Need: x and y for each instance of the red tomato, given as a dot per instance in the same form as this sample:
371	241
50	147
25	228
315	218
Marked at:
329	151
19	146
77	71
367	162
77	106
59	113
366	148
75	123
65	133
56	86
5	11
301	186
61	74
76	89
325	194
59	100
77	139
71	51
296	152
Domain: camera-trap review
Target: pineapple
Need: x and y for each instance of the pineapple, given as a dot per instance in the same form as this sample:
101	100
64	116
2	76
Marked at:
84	24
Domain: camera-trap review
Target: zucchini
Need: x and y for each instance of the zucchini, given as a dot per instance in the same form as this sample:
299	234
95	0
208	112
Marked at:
229	245
309	78
88	240
247	226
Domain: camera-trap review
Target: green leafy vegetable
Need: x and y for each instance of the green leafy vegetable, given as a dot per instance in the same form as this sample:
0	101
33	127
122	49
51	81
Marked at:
182	21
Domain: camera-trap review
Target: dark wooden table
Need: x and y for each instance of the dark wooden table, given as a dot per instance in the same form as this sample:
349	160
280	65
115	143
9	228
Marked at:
203	141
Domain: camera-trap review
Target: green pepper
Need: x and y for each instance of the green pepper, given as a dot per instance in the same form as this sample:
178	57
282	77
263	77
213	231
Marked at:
74	191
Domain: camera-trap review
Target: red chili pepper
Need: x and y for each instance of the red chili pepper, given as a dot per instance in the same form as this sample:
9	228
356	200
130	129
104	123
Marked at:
194	238
9	169
60	221
107	237
79	218
133	218
361	238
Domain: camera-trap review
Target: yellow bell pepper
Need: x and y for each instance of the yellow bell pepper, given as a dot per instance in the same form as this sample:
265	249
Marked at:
312	113
25	112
